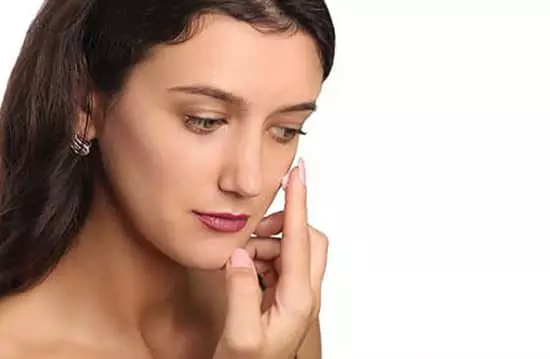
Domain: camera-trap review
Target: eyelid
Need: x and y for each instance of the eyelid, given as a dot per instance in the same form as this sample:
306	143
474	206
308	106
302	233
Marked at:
294	127
293	122
204	116
298	129
295	133
292	117
193	124
199	109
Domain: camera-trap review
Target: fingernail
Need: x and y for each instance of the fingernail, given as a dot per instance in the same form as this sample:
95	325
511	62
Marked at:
284	182
302	170
241	259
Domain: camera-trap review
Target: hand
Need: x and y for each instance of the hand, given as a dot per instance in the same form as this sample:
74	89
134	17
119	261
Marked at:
273	325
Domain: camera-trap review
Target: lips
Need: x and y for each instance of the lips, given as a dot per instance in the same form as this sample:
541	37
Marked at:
222	222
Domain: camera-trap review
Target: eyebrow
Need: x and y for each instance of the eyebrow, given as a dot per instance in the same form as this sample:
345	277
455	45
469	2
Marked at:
234	99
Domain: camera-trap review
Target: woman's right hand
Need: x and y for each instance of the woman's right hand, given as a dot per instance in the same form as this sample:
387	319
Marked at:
277	332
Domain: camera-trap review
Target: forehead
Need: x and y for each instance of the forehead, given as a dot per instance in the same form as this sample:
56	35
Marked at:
233	55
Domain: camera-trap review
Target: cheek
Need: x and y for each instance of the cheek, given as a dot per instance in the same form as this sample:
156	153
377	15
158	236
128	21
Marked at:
157	176
277	161
134	159
155	167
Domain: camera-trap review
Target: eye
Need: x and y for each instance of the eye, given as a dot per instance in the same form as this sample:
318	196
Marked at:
203	125
285	134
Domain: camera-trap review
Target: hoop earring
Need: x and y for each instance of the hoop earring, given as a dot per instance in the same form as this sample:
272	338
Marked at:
81	146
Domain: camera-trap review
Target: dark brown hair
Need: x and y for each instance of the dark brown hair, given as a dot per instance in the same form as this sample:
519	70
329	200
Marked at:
71	47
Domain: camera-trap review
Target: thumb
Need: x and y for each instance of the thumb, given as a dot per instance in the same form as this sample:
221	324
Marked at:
243	332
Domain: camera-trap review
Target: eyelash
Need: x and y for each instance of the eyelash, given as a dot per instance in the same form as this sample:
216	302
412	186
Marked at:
193	123
293	133
196	125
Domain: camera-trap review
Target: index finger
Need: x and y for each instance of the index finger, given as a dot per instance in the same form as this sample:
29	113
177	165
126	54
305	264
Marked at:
270	225
295	249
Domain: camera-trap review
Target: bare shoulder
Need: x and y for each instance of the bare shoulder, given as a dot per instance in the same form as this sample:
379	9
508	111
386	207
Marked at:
24	336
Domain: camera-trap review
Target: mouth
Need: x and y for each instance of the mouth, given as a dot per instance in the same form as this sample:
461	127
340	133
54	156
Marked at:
222	222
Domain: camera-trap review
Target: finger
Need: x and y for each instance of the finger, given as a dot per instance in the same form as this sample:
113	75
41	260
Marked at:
270	225
275	265
295	248
243	326
319	252
267	272
262	248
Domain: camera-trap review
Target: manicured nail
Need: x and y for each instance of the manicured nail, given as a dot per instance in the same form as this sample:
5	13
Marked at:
302	170
241	259
284	182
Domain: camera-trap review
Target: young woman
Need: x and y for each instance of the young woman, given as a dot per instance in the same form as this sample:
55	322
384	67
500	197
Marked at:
142	143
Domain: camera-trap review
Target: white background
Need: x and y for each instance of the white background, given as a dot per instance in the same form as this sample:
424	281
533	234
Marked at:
429	168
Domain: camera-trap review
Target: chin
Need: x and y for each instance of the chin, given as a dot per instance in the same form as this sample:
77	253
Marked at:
207	253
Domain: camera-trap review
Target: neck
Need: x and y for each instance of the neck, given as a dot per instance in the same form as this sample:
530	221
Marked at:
117	280
126	273
115	289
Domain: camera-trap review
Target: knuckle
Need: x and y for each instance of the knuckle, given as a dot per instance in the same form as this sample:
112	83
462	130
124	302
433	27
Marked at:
320	238
317	306
323	240
304	306
245	344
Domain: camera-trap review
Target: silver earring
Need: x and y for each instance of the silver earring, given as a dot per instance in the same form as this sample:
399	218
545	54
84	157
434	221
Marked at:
80	146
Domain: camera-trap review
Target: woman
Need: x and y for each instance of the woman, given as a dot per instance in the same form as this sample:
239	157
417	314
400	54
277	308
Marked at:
142	143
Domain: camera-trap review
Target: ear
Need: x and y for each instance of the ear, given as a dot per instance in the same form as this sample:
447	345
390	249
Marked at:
88	112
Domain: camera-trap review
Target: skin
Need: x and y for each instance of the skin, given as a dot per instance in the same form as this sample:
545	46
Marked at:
146	278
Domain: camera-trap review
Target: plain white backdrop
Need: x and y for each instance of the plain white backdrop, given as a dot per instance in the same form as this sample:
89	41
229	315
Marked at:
429	169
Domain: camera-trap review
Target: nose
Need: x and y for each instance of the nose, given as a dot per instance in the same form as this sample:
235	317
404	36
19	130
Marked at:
242	171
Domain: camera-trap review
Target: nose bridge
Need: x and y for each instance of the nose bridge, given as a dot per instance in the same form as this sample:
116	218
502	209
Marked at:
243	173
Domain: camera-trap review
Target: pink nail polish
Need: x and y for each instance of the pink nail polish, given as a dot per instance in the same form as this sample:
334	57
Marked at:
284	182
241	259
302	170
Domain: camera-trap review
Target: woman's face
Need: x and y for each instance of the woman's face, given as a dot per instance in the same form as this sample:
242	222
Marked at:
208	126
